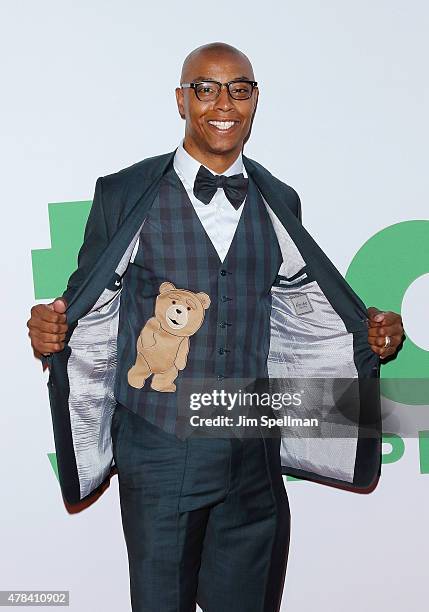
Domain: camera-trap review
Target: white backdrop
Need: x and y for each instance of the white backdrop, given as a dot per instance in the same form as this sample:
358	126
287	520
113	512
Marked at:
88	88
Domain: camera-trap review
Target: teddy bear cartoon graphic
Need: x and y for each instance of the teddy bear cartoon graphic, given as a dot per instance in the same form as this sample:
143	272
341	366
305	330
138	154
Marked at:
163	343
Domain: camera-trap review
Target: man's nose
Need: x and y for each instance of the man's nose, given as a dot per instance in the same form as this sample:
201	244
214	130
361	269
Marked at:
224	101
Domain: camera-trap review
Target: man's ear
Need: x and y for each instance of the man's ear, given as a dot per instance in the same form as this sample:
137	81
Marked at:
256	103
253	117
180	102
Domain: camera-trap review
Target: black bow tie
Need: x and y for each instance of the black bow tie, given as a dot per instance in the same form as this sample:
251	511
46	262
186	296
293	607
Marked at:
206	183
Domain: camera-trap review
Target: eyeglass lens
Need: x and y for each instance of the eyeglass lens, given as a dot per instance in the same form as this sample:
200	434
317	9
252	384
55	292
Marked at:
239	90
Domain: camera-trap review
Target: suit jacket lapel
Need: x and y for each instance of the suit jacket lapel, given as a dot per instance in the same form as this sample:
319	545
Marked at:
273	190
94	284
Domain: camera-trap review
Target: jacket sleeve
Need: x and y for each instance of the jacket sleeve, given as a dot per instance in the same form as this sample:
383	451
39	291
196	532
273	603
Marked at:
298	208
94	242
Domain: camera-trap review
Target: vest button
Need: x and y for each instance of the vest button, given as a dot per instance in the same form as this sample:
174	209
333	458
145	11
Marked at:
221	351
223	272
220	376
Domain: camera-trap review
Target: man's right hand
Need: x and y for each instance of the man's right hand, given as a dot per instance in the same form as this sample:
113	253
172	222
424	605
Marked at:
48	327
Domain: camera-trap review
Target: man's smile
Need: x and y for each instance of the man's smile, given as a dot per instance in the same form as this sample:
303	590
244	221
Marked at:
223	126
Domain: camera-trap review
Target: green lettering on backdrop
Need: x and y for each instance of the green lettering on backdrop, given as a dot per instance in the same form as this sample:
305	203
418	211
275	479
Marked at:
424	451
52	267
397	447
380	273
54	464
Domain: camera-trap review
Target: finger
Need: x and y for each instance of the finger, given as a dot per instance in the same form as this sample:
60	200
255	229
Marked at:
46	337
372	311
375	314
48	347
374	324
375	349
395	340
376	352
382	332
44	313
381	352
391	330
379	342
373	333
47	326
378	347
59	305
389	350
391	318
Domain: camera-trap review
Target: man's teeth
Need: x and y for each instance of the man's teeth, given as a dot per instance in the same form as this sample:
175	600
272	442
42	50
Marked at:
222	125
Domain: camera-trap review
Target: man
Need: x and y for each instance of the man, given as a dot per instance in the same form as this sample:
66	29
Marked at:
185	248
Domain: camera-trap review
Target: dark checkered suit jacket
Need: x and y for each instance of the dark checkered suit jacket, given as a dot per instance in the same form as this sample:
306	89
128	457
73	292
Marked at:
318	335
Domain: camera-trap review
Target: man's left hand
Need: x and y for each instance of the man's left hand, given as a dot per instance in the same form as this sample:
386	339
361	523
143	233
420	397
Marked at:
382	325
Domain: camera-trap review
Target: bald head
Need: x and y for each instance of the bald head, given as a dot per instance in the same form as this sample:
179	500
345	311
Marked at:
216	126
216	52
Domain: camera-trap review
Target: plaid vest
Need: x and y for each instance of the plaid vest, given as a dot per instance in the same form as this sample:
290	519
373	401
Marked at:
233	339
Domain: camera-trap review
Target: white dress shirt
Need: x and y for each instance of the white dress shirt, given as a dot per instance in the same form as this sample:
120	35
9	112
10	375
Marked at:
219	218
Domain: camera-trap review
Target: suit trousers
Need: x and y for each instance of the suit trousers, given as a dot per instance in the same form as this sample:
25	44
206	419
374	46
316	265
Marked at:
205	520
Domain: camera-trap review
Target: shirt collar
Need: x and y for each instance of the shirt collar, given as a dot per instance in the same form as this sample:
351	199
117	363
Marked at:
187	166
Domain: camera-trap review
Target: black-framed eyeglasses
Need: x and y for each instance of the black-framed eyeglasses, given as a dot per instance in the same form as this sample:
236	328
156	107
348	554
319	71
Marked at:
207	91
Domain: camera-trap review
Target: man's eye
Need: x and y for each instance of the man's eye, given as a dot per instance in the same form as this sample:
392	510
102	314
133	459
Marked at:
206	90
240	90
